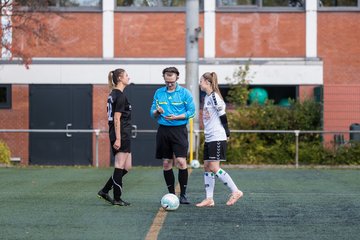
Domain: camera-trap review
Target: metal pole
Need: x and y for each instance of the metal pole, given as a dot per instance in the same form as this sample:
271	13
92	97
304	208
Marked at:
197	142
191	123
97	133
192	54
297	132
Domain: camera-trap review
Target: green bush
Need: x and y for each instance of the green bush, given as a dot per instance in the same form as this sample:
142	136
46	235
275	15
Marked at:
271	148
4	153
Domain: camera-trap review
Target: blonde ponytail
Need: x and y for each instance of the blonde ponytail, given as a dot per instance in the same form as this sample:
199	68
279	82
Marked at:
213	80
215	84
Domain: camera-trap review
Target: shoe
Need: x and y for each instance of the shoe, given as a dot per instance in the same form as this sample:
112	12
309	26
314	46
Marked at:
234	197
120	203
105	196
207	202
183	199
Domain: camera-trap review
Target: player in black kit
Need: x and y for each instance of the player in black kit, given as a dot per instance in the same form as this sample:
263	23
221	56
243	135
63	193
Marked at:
119	117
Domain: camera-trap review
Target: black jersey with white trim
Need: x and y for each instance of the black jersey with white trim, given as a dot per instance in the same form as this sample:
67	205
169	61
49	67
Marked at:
117	102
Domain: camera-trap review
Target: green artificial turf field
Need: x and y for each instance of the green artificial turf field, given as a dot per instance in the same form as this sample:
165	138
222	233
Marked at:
61	203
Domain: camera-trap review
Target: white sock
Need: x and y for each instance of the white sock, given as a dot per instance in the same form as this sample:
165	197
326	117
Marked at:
227	180
209	180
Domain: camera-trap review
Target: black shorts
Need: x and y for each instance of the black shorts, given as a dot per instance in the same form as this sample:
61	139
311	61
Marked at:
215	151
125	146
171	140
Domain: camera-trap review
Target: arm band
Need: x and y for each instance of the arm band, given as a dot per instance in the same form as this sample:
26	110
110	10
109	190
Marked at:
224	122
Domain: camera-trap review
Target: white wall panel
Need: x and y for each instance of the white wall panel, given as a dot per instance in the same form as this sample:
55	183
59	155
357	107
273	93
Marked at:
269	71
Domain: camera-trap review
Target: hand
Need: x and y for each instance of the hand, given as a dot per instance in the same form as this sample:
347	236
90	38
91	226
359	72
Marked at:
159	110
171	117
117	144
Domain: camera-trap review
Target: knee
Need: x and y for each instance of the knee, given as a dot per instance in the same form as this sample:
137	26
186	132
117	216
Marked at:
181	163
167	165
207	168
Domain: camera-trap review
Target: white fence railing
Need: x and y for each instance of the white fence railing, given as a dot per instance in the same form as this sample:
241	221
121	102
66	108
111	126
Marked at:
196	135
66	131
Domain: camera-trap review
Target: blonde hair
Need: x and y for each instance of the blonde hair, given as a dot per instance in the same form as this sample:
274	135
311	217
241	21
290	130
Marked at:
213	80
113	78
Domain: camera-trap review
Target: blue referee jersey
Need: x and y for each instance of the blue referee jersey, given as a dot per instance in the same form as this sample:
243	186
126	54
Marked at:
174	103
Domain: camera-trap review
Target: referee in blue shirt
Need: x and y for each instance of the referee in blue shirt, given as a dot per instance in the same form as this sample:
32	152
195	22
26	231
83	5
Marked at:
172	107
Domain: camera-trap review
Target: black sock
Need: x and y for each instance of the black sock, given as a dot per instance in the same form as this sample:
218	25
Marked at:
117	178
170	180
125	172
183	179
108	186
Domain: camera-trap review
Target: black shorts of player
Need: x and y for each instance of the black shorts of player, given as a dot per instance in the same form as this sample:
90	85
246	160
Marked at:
215	151
170	141
125	146
125	142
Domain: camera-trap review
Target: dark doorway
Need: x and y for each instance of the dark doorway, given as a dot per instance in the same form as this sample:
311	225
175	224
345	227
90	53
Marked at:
60	107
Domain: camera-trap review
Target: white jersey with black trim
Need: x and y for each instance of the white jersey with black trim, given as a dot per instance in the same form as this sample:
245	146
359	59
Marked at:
213	108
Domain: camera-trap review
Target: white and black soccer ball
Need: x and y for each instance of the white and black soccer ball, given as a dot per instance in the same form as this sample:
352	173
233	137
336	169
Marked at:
195	163
170	202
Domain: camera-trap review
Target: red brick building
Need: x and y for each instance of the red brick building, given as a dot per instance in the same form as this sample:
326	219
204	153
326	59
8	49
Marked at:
293	46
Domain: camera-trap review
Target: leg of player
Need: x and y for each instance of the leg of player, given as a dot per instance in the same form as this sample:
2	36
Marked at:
169	175
209	180
120	162
104	192
236	194
183	179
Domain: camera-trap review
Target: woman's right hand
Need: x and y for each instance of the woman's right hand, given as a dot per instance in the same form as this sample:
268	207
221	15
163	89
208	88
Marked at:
117	144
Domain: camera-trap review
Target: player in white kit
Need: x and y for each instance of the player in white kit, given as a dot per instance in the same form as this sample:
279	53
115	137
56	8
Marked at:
216	135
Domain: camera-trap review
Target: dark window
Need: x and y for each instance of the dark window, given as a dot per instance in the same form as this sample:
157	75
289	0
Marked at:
262	3
236	2
151	3
5	96
60	3
338	3
283	3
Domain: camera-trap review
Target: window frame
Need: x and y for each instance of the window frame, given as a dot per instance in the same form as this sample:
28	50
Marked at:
339	8
155	9
8	102
258	7
64	9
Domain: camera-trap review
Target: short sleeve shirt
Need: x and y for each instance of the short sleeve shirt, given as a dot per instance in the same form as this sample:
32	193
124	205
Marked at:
117	102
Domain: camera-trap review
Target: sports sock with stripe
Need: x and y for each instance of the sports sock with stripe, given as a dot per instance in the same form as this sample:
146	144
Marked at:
109	184
117	179
226	179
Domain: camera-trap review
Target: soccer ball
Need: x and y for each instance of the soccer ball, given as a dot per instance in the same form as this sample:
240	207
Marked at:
195	163
170	202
